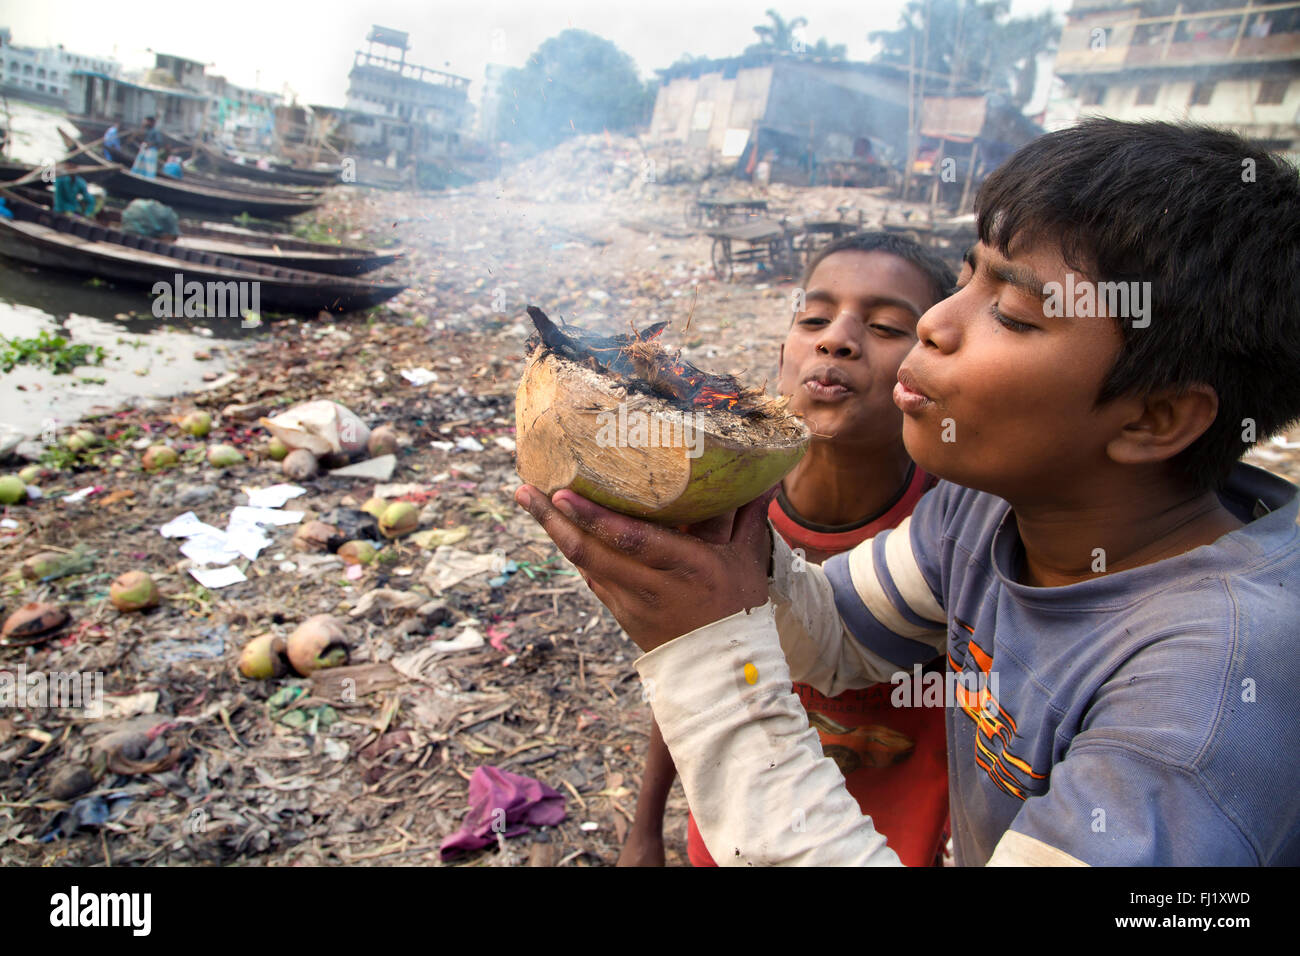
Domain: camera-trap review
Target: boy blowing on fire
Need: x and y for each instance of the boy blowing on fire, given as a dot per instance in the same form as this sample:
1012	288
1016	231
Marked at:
862	297
1095	544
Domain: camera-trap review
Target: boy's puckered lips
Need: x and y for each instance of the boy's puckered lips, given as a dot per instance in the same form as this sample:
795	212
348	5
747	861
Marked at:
908	394
828	383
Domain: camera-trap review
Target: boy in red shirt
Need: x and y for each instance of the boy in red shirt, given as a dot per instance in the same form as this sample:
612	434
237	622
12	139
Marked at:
863	295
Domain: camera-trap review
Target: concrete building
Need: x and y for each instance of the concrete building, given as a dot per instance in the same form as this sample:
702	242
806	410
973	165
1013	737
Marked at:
1234	64
44	75
399	108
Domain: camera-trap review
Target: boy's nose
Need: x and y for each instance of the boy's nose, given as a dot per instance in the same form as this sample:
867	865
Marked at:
940	326
837	339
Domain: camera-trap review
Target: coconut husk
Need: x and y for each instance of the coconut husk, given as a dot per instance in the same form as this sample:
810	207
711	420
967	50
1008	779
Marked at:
636	443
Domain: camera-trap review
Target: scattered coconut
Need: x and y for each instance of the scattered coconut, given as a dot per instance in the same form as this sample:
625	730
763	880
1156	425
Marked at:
12	490
133	591
223	456
159	456
317	643
357	552
31	474
264	657
42	565
399	518
33	623
314	536
80	440
383	441
276	450
197	424
375	507
300	464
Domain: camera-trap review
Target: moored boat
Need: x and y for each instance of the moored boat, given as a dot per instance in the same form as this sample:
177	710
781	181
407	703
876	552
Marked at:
43	238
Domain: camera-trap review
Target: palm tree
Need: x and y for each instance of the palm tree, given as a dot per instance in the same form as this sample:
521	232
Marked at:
779	35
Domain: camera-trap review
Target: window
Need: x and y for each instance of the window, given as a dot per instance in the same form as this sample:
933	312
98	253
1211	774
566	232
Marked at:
1147	93
1273	91
1092	95
1201	94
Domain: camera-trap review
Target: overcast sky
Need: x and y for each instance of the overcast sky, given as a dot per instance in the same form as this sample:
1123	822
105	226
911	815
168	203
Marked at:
307	48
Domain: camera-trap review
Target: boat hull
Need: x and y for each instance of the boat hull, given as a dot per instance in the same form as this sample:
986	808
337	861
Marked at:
48	240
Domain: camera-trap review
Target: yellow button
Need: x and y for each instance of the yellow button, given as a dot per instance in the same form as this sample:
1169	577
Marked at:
751	674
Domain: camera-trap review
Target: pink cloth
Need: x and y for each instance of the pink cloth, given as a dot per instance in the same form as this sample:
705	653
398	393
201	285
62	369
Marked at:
505	802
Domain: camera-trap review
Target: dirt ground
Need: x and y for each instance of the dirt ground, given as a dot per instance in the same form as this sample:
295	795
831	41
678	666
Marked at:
192	763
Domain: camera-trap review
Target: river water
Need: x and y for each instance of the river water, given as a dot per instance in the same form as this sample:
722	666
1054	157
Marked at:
147	359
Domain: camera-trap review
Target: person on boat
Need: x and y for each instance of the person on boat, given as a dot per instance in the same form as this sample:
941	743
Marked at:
112	142
173	167
72	195
146	160
151	219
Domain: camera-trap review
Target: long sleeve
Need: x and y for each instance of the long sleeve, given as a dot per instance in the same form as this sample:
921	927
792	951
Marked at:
753	770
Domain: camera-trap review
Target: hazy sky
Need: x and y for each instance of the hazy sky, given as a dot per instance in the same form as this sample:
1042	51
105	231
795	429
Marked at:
309	46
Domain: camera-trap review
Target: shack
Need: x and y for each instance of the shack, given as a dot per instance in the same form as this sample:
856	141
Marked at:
796	113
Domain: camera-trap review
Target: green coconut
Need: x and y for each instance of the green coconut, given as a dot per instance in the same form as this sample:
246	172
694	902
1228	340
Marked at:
650	459
197	424
157	457
224	456
317	643
276	449
399	518
31	474
133	591
12	490
375	507
357	552
264	657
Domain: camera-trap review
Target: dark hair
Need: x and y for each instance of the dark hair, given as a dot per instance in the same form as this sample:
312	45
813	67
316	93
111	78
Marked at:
1212	221
935	269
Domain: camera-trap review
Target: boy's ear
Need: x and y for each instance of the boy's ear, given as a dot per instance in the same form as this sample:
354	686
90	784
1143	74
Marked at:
1166	422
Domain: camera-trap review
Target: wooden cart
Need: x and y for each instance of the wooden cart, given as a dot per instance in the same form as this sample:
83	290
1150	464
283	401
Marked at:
763	242
722	212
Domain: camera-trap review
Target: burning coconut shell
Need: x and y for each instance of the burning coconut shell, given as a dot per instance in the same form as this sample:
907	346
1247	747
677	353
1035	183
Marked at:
625	423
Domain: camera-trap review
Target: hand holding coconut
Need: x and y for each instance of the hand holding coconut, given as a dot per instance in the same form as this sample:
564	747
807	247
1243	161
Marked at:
658	583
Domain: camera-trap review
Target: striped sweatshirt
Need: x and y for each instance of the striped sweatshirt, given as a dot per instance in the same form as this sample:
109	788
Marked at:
1144	717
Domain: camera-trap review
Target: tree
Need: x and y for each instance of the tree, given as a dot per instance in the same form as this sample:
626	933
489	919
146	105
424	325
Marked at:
973	41
575	82
779	35
785	36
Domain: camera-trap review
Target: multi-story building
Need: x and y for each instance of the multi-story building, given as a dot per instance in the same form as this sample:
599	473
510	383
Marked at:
401	108
1225	63
44	75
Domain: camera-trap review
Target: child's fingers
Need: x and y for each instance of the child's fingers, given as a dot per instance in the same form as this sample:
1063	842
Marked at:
644	542
593	557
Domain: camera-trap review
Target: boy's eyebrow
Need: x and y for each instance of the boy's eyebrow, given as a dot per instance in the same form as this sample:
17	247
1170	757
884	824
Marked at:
1020	277
822	295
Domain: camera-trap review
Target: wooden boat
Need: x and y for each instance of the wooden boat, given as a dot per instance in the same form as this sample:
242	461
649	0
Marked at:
268	248
91	174
253	190
210	159
69	243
